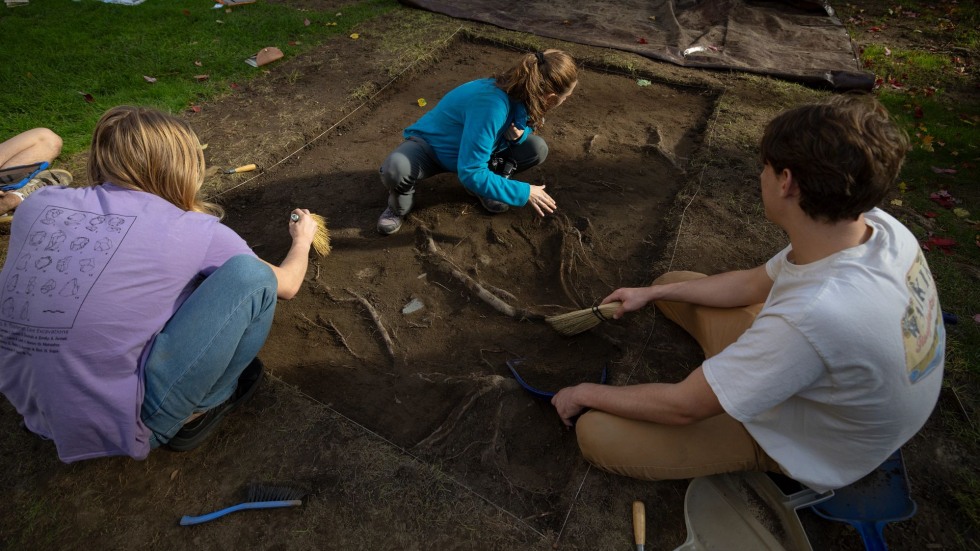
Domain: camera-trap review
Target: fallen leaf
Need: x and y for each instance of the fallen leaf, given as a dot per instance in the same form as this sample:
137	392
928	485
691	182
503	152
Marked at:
338	14
641	40
961	213
918	112
927	143
331	24
234	85
196	108
930	214
306	22
942	243
943	199
897	202
294	43
355	36
976	318
218	21
201	78
642	82
186	12
173	475
88	97
198	64
888	52
421	102
903	187
938	170
151	80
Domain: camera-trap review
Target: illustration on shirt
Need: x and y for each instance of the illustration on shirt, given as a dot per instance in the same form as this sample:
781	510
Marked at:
59	263
922	328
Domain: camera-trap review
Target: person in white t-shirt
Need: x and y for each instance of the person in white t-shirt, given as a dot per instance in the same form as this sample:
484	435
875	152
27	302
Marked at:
821	362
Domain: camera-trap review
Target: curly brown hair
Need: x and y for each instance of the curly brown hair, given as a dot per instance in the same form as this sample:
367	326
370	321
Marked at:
535	76
844	154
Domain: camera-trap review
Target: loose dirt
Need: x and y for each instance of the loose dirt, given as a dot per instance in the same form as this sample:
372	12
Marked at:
429	443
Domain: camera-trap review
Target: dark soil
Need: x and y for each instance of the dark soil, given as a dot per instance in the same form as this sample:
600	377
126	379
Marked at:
431	444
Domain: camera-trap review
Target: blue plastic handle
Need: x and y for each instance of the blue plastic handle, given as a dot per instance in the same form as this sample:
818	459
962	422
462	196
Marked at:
37	167
872	533
190	521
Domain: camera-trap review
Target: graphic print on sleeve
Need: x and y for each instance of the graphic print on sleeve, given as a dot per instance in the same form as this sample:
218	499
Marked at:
922	327
65	252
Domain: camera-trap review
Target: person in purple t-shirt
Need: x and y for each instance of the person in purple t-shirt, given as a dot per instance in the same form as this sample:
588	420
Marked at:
130	317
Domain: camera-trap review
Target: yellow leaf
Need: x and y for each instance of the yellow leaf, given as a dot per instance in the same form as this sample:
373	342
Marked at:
962	213
927	143
421	102
355	36
903	187
897	202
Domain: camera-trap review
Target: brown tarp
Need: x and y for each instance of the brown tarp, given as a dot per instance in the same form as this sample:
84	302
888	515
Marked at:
803	41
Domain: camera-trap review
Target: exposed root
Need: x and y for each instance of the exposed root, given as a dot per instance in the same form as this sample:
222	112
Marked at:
333	329
457	414
447	266
377	321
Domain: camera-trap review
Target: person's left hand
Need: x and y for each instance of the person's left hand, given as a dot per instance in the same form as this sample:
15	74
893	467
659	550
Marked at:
513	133
566	402
542	202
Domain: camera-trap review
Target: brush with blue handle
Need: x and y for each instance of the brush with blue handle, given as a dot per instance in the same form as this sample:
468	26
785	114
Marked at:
259	497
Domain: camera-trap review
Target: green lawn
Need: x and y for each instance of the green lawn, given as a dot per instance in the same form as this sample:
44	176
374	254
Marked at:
65	62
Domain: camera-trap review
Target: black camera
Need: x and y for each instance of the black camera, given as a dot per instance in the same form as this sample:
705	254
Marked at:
503	166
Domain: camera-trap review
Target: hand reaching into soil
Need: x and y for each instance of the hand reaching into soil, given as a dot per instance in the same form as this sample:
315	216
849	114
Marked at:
541	201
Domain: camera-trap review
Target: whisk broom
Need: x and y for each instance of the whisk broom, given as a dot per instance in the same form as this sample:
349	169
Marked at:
321	241
259	497
573	323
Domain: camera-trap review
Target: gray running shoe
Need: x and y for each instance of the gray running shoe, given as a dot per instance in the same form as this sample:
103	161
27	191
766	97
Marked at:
389	222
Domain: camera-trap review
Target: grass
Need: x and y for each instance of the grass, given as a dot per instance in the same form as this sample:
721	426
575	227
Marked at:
923	84
81	58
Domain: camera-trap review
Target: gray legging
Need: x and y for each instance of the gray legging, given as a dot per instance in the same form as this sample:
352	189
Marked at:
414	161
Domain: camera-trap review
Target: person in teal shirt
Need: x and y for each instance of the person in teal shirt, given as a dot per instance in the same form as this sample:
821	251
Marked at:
484	132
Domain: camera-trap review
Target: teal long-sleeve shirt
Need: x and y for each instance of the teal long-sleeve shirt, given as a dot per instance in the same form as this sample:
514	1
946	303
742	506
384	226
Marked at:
465	128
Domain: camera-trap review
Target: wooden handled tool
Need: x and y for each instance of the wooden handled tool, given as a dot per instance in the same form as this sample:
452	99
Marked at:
246	168
639	525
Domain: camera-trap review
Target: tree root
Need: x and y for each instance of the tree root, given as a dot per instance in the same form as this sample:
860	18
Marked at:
447	266
377	321
457	414
333	329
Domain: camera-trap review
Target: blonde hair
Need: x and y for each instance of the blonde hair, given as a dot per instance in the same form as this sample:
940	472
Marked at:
148	150
537	75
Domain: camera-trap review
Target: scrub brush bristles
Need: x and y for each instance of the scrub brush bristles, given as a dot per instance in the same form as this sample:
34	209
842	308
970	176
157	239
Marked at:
321	241
578	321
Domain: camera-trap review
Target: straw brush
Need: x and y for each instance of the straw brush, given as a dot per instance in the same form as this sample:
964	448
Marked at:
321	241
573	323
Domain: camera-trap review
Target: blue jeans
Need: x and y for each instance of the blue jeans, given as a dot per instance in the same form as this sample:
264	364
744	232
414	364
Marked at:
194	363
414	161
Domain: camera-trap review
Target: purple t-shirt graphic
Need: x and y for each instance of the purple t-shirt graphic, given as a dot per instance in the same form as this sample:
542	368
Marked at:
91	276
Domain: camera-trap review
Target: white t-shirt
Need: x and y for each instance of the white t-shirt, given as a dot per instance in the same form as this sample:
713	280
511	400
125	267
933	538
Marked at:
844	363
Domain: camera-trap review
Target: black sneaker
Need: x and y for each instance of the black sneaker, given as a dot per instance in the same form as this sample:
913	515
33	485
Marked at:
196	432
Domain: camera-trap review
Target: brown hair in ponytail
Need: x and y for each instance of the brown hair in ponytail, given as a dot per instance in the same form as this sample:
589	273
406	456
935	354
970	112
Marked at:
536	76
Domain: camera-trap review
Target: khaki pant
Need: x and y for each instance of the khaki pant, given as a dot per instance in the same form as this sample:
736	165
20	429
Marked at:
652	451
